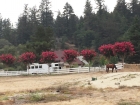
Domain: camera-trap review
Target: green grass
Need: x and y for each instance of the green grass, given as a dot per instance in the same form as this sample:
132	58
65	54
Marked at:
35	97
4	97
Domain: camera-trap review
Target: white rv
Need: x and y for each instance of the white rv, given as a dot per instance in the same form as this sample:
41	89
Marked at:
37	68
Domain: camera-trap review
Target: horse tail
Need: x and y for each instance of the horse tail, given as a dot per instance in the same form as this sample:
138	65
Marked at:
115	66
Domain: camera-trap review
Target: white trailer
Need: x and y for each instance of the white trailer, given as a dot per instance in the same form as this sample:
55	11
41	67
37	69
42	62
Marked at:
37	68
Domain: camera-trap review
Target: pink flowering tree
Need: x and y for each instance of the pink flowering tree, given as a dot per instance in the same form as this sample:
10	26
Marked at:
123	49
88	55
48	57
27	58
107	51
7	59
70	55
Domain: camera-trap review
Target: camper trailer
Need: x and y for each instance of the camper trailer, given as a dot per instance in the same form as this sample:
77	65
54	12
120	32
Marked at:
37	68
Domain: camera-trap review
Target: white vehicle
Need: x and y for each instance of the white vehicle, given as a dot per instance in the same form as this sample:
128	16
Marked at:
37	68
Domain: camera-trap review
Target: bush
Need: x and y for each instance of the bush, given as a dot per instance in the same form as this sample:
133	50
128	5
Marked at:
100	61
114	60
9	69
37	97
2	66
103	61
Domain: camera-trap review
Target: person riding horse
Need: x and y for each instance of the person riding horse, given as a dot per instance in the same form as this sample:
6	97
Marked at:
111	66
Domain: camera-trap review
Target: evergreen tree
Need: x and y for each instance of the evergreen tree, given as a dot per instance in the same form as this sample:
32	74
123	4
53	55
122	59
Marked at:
134	7
59	25
23	27
6	29
122	9
69	20
0	26
34	18
105	31
80	34
42	40
46	15
100	6
134	35
88	16
13	36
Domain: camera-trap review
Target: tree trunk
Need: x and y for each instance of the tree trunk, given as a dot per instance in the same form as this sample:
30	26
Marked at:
89	65
123	57
123	61
49	68
28	69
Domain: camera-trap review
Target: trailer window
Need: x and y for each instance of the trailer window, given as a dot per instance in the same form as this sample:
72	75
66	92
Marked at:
56	64
40	66
32	67
36	67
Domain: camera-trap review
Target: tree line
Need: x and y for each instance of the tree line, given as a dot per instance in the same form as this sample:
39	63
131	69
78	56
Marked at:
38	31
120	49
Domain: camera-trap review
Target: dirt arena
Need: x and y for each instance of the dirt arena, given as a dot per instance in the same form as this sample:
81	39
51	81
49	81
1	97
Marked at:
121	88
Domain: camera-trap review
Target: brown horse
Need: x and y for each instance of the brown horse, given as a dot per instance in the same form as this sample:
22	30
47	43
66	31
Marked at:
110	66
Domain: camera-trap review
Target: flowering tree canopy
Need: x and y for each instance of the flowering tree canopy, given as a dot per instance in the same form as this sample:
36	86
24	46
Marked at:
107	50
48	57
7	59
124	48
88	54
70	55
27	57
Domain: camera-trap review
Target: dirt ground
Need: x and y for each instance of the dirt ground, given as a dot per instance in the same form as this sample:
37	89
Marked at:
108	89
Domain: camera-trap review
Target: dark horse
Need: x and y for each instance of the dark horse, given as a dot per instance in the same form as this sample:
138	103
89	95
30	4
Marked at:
110	66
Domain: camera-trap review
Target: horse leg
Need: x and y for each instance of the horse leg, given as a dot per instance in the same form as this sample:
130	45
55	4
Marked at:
107	69
115	67
112	70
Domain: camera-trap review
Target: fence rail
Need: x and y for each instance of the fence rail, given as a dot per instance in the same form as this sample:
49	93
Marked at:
12	73
56	71
61	71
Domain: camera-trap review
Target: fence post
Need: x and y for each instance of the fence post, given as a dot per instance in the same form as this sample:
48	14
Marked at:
6	73
79	69
58	71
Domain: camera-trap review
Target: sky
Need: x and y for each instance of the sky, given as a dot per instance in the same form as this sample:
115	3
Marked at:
12	9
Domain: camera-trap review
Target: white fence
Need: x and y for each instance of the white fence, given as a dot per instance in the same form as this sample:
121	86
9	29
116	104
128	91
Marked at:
12	73
61	71
119	66
71	70
56	71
